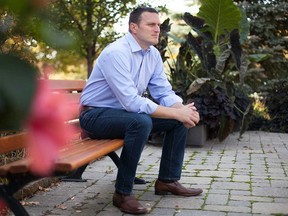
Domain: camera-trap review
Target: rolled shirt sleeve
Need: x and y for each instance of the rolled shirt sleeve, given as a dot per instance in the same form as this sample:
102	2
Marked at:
161	89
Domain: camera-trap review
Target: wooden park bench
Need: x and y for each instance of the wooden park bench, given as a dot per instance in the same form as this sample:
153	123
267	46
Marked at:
73	160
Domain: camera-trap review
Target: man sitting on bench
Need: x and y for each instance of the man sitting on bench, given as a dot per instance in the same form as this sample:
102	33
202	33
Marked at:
114	106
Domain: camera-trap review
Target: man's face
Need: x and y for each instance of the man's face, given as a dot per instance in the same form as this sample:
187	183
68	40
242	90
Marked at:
147	31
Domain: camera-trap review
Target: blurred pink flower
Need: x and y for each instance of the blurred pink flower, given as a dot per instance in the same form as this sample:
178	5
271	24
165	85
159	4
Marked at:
3	208
47	131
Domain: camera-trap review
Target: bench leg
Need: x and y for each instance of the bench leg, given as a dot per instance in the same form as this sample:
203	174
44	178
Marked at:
13	204
115	158
75	176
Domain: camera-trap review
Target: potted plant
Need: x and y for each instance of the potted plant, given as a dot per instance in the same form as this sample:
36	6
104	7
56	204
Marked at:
219	92
210	68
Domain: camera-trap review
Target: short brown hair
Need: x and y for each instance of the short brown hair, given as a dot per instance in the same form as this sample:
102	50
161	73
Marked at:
135	14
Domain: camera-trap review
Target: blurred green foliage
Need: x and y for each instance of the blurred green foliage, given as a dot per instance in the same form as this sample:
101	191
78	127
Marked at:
274	97
268	37
91	21
22	21
17	88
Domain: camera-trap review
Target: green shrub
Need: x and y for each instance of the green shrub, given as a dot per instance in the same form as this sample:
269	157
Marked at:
276	101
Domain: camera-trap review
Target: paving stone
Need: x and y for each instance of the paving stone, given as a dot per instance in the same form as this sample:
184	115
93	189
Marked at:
181	203
37	210
231	185
163	211
204	167
240	192
281	200
244	214
243	172
270	208
218	191
219	174
111	211
196	180
46	201
239	203
270	192
241	178
251	198
235	166
262	183
150	196
242	209
279	183
200	213
217	199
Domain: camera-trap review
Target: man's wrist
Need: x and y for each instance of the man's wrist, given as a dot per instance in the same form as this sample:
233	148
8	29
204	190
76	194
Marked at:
177	105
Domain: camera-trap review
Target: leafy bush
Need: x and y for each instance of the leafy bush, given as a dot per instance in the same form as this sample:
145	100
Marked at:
215	108
276	101
268	36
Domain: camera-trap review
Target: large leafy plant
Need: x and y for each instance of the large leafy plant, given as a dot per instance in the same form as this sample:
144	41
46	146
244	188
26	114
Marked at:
219	30
218	38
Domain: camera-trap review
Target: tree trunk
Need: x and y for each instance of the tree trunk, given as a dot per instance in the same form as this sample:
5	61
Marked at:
90	47
90	59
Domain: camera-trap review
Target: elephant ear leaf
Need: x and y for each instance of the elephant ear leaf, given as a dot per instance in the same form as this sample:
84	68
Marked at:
221	16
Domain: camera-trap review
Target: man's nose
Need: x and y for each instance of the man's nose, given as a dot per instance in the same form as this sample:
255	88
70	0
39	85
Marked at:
157	28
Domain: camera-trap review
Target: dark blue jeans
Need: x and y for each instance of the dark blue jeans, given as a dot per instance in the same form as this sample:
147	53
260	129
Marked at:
135	128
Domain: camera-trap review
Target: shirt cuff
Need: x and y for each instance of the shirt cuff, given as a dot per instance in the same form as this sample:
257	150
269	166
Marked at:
171	100
148	107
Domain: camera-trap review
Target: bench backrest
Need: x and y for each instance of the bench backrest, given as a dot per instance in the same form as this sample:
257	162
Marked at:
72	90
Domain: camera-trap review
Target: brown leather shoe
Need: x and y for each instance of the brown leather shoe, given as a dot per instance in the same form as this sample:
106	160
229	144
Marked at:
162	188
128	204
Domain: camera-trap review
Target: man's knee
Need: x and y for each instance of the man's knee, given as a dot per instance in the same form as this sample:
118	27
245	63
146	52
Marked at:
143	121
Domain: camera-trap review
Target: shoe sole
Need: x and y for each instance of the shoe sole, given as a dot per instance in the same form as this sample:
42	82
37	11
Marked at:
128	212
168	192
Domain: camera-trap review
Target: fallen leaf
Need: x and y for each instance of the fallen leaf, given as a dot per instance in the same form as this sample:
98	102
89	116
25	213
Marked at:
63	207
32	203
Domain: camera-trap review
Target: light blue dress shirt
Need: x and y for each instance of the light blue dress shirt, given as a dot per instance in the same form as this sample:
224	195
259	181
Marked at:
121	75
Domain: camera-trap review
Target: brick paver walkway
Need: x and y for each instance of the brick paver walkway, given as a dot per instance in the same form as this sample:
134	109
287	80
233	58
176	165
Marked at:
239	177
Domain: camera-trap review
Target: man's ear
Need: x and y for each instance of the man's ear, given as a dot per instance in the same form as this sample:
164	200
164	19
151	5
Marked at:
133	27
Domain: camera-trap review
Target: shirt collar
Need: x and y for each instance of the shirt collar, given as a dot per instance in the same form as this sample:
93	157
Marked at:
135	47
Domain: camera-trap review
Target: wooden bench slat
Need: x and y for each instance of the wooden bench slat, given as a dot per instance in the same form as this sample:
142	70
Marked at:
78	160
18	141
71	157
67	85
16	167
73	97
79	147
4	170
21	165
12	142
